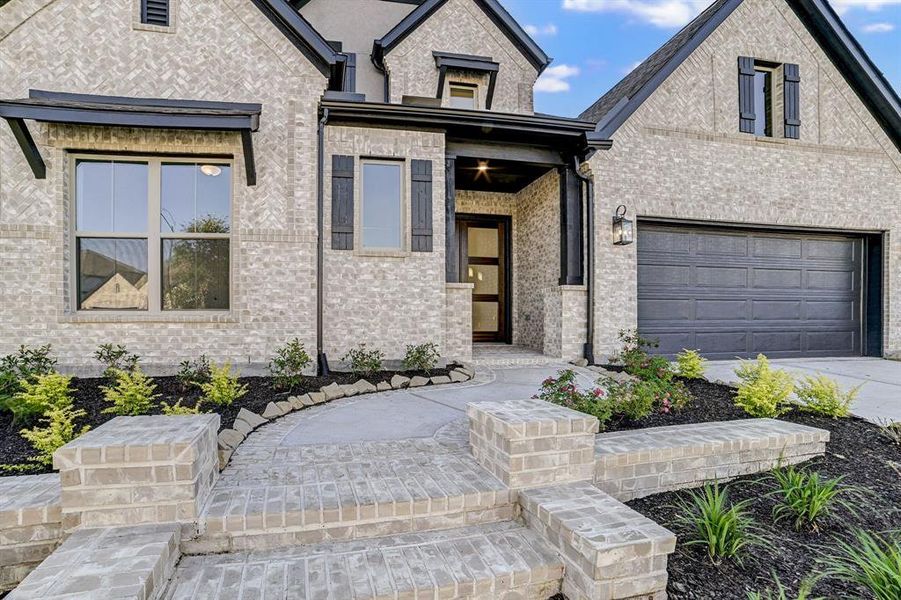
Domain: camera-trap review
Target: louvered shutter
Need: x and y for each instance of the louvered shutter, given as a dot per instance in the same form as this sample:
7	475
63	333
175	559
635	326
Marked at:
342	202
422	205
746	115
792	91
155	12
350	73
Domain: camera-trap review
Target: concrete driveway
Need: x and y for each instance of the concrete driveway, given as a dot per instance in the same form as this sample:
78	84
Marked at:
878	398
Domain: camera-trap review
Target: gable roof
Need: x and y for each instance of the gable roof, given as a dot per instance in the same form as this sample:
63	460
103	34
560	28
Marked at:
304	37
612	109
492	8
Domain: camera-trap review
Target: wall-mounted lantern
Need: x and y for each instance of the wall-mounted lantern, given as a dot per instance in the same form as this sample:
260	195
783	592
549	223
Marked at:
623	233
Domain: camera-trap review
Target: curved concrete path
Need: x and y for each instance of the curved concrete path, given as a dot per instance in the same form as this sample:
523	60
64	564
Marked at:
418	412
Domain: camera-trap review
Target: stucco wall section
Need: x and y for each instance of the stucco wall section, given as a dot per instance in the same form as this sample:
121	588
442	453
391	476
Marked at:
223	50
385	301
460	26
680	156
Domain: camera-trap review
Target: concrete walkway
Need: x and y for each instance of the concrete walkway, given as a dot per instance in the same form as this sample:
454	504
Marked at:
878	398
418	412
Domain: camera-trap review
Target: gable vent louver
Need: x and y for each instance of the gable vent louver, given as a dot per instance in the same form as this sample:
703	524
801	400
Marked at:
155	12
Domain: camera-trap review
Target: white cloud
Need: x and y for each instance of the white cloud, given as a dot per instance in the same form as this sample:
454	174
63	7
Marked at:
548	30
661	13
842	6
878	28
554	79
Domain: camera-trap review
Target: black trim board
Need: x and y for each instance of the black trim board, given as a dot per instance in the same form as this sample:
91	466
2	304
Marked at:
822	23
492	8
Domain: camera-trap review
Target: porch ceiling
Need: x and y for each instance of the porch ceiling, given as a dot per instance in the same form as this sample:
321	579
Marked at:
495	175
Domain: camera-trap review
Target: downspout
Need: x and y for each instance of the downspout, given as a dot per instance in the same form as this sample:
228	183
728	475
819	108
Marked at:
321	359
588	349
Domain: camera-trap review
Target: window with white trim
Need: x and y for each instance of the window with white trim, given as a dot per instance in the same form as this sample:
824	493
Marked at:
152	234
381	204
463	96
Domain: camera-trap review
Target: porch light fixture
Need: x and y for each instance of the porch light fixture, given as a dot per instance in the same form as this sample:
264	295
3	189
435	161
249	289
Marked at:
623	233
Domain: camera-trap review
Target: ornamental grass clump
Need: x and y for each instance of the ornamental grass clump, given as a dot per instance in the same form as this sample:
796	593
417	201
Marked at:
779	592
562	390
871	561
690	364
806	498
223	388
363	362
890	430
763	391
131	393
724	528
822	396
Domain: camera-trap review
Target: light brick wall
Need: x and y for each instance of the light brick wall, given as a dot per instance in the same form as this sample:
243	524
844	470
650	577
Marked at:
565	323
458	322
680	156
218	50
460	26
386	301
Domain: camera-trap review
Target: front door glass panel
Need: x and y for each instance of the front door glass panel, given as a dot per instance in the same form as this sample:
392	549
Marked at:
484	268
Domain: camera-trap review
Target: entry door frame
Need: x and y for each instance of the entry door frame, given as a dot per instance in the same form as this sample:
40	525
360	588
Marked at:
505	284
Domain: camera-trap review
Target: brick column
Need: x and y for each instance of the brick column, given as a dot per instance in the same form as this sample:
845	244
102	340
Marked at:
528	443
131	470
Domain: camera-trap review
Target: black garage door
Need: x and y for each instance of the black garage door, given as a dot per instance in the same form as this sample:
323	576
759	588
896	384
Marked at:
732	292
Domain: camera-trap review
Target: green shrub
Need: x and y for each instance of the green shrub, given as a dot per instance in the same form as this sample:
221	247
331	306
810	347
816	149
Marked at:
562	390
25	364
193	372
724	528
364	362
58	431
131	395
115	358
638	399
763	392
690	364
179	409
871	561
805	497
633	355
890	430
288	364
823	396
778	591
39	396
421	357
223	388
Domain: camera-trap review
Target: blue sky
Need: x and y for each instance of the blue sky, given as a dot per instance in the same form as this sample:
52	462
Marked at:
594	43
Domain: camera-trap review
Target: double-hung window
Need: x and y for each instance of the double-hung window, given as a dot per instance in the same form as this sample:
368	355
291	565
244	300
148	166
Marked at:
152	234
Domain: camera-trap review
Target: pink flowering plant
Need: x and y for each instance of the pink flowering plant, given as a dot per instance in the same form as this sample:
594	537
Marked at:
563	390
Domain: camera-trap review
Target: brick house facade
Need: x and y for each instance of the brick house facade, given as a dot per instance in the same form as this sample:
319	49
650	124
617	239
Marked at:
299	263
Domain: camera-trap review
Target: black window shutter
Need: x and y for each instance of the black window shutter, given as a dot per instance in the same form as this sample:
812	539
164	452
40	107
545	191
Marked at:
155	12
746	114
792	87
350	73
422	205
342	202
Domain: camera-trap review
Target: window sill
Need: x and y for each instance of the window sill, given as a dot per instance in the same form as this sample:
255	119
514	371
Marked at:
134	317
374	252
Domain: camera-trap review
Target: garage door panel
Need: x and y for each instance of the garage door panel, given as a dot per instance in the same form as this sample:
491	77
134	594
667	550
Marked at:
738	293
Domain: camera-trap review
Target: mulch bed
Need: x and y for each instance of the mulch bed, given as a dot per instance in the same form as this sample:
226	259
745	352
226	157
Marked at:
856	451
15	450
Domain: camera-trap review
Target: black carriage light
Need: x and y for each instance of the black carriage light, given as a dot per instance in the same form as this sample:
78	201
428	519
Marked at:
623	232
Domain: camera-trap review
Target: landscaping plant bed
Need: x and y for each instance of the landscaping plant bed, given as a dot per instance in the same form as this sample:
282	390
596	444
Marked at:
16	450
856	451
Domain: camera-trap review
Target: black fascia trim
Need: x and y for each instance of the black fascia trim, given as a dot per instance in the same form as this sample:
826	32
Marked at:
149	102
465	62
299	31
853	63
107	115
498	15
610	123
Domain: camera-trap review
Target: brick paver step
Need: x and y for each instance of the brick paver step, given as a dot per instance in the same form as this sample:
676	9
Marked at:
632	464
486	562
274	497
113	563
30	524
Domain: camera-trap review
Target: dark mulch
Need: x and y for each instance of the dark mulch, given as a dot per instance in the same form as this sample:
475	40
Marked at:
856	451
15	450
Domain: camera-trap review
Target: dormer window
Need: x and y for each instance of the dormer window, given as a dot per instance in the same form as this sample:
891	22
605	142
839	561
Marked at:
463	96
